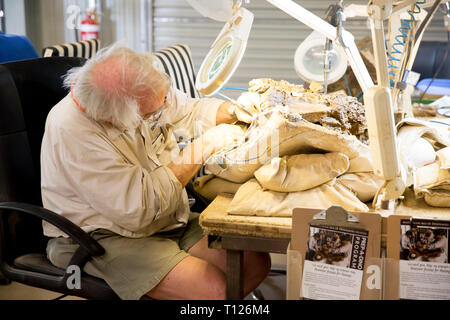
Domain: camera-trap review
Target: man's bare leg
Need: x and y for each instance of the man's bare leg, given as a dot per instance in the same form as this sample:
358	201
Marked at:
202	275
256	264
192	278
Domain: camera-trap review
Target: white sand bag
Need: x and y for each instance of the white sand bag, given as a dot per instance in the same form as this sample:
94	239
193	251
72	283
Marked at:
417	142
437	198
301	172
426	129
363	162
430	176
211	186
364	185
252	200
444	158
433	184
278	134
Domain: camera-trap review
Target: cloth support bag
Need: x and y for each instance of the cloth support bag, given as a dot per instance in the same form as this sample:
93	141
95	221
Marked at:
444	157
417	142
211	186
432	183
364	185
252	200
301	172
279	134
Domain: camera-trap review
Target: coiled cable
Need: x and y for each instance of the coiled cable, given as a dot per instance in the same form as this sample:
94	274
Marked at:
402	45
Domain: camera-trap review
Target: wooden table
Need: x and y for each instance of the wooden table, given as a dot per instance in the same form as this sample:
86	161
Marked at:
237	234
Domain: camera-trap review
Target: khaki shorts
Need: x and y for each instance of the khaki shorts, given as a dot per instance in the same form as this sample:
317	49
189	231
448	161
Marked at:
131	267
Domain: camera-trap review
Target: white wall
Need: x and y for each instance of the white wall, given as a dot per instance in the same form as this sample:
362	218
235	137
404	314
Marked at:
45	22
15	17
120	20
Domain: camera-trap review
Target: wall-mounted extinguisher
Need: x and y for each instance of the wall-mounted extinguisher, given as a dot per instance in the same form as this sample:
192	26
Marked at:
90	27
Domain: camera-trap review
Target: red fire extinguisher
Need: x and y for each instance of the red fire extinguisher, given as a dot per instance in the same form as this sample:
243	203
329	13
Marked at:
90	28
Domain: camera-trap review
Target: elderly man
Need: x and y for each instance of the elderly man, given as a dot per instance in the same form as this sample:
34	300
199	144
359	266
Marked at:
111	164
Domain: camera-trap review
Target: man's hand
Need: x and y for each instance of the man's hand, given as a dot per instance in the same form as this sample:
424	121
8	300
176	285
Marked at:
195	154
229	112
251	102
222	136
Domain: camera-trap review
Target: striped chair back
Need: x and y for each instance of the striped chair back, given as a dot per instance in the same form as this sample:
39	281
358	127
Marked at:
83	49
177	62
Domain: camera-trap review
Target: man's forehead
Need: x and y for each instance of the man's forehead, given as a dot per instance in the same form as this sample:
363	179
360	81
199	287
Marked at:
113	75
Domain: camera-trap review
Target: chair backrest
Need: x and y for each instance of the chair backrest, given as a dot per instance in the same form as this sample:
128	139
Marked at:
28	91
428	59
177	62
82	49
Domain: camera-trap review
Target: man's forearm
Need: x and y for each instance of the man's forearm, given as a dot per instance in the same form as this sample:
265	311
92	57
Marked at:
224	115
190	161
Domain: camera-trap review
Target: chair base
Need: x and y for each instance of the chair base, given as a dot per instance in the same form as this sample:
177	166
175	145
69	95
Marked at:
3	280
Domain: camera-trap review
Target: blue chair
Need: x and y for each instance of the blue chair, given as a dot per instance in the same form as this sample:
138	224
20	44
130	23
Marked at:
430	63
16	47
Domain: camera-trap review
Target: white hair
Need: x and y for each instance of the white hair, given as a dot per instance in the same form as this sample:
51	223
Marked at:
120	107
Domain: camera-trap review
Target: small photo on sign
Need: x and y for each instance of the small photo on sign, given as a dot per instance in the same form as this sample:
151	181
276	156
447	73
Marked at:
424	240
424	265
337	246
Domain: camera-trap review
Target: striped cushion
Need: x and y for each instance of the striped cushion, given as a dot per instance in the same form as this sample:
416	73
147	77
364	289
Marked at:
177	62
83	49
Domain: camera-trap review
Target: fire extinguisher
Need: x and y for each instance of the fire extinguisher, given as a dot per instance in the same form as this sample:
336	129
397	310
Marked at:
90	28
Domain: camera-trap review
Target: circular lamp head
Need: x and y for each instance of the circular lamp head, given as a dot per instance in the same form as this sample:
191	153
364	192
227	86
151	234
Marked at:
226	53
310	57
219	10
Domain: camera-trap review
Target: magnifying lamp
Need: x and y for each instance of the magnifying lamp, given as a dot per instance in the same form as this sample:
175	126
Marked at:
221	10
310	56
229	47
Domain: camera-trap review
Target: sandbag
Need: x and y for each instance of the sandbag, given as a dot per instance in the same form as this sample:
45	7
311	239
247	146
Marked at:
437	198
252	200
364	185
432	183
444	158
360	164
210	186
363	162
301	172
430	176
417	142
278	134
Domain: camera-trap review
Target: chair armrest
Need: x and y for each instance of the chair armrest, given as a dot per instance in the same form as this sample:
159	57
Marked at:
92	247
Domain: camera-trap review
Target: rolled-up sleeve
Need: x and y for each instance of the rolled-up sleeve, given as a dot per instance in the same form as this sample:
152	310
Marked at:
193	115
128	195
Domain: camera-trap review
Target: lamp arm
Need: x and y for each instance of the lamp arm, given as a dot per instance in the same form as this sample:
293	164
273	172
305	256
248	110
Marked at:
316	23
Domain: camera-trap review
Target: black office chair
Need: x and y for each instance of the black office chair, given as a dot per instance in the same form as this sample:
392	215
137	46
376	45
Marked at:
28	90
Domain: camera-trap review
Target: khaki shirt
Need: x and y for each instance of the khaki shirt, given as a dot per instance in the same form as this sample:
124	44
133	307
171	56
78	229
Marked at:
101	177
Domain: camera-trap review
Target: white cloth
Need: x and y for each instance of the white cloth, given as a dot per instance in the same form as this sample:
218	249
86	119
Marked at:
279	134
99	176
252	200
433	184
413	150
364	185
